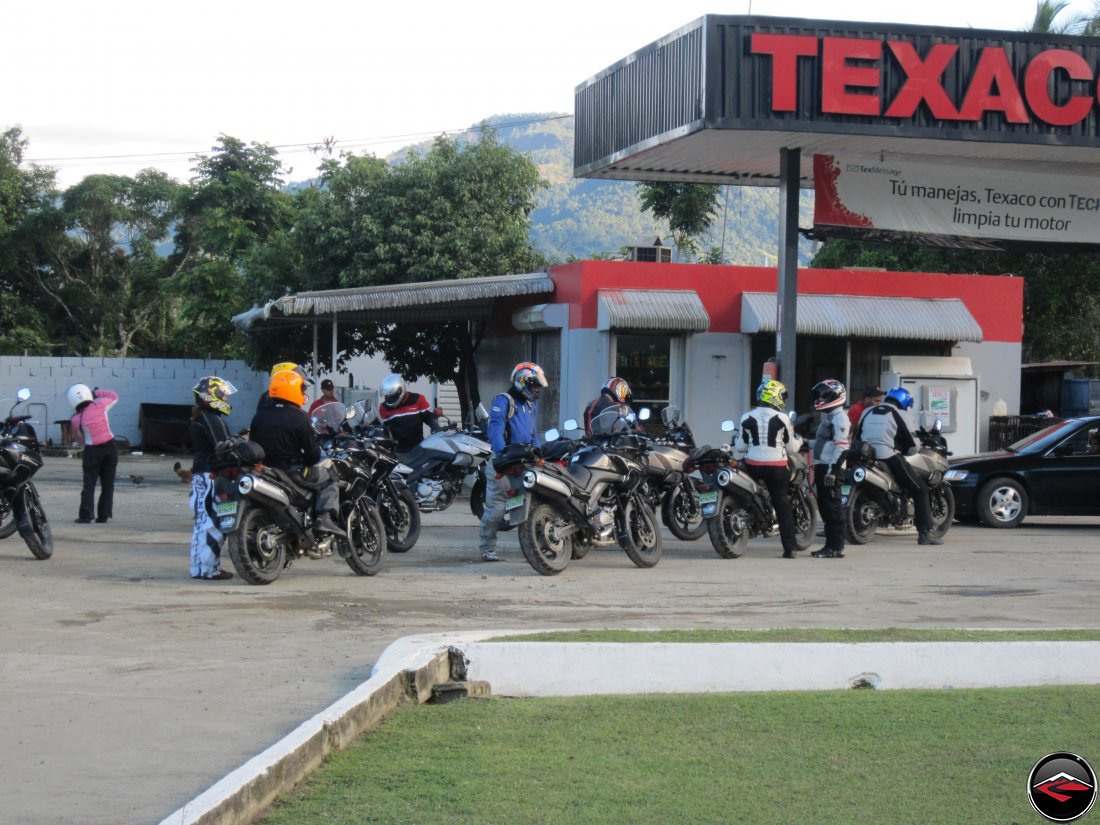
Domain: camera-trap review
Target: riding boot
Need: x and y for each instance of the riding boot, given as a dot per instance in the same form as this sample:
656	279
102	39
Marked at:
928	538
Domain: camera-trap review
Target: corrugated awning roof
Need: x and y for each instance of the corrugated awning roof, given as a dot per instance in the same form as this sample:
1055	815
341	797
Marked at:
669	310
860	316
454	300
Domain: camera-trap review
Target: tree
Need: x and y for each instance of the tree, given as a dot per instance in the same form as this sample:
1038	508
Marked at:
23	191
235	204
689	208
461	210
1048	19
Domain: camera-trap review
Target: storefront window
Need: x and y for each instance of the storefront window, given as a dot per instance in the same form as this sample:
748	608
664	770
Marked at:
645	362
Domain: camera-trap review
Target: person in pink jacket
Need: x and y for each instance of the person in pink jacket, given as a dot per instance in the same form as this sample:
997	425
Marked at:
90	424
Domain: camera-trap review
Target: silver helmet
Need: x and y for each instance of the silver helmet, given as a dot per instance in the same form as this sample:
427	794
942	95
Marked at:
392	390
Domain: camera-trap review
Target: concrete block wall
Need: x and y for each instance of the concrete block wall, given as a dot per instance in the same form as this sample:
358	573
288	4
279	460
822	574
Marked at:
136	380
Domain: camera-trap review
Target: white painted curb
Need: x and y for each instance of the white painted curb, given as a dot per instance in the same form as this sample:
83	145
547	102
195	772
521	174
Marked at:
600	668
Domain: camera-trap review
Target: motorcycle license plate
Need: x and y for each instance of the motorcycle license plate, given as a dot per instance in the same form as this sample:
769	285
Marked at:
845	491
225	508
709	503
513	502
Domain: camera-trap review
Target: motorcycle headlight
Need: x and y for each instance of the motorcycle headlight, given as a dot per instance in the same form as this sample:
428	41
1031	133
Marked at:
858	474
956	475
724	477
245	485
529	479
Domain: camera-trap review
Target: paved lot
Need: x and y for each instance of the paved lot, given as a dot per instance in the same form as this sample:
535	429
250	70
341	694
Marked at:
127	687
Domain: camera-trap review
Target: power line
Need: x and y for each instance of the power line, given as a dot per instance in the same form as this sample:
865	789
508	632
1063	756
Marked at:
291	148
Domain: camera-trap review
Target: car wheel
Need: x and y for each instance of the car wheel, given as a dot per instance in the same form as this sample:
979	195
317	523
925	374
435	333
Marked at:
1002	502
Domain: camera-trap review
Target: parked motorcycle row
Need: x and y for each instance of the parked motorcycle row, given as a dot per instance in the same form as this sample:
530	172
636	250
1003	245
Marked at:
613	488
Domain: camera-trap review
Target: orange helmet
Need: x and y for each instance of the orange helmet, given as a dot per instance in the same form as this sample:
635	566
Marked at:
287	385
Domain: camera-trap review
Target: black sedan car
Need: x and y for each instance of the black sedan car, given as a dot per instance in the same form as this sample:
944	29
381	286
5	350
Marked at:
1055	471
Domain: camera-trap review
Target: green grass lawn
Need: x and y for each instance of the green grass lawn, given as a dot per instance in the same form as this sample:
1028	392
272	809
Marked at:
948	756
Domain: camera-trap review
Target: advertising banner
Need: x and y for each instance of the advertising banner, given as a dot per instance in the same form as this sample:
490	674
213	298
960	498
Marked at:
954	202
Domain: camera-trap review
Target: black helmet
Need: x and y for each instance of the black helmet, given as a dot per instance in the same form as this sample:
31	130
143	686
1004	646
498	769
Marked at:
828	394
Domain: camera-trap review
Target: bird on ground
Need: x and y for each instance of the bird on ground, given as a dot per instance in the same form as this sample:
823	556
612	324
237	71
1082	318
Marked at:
136	480
184	474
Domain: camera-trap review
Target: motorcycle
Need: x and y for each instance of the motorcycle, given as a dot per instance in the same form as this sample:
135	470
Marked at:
20	505
671	489
597	499
266	514
436	469
872	498
737	507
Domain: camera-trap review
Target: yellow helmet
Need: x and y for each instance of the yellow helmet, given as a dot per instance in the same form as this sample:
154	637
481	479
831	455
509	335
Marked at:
287	386
284	366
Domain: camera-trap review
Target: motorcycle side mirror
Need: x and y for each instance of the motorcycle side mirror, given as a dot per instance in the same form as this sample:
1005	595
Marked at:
631	417
570	424
644	413
937	426
480	413
23	393
551	435
728	426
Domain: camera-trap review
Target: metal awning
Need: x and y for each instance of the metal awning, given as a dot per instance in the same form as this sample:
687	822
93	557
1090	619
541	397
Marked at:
860	316
668	310
460	299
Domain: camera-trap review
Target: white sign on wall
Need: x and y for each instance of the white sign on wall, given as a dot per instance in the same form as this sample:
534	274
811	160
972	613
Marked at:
926	198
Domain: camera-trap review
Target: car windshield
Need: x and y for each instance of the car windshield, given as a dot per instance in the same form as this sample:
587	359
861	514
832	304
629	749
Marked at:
1045	438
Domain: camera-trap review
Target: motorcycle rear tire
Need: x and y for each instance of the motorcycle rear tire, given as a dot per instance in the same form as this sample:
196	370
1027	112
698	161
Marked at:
366	541
863	515
639	533
804	510
35	529
546	556
941	503
729	541
676	518
402	520
257	558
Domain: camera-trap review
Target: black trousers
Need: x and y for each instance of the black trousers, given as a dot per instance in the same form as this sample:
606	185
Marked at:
776	480
832	512
917	489
100	464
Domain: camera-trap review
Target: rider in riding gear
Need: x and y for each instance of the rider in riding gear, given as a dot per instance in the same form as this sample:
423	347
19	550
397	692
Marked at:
512	420
404	413
615	393
283	429
889	428
765	439
99	458
829	447
207	430
283	366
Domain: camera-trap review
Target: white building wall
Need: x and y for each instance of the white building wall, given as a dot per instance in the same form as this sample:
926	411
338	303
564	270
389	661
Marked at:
714	383
997	366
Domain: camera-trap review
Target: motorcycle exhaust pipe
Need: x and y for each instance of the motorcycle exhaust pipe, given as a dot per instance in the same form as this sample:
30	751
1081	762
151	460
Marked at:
861	476
533	478
251	485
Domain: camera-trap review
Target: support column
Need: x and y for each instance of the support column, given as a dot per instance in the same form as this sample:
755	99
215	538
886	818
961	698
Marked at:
786	293
313	365
333	372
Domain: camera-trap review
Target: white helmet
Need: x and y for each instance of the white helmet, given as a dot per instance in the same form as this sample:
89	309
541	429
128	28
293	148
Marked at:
78	394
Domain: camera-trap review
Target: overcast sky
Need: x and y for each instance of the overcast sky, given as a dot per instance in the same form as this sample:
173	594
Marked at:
115	86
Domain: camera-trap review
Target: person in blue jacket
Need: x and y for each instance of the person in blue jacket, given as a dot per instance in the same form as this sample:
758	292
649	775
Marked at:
512	420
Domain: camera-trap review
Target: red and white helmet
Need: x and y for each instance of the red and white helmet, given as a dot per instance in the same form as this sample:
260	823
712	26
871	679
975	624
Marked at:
828	394
619	389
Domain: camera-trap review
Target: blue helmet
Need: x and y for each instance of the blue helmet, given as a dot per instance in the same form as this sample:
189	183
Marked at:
901	397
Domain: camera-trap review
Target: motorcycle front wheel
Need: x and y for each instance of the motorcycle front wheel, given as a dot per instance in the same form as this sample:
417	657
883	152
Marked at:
639	533
941	503
804	510
863	516
7	523
544	551
257	547
729	528
682	514
366	541
35	530
402	519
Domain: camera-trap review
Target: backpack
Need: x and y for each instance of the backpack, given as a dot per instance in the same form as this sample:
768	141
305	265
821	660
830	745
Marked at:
508	416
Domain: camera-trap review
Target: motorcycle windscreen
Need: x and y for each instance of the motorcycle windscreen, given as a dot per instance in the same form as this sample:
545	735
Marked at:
328	418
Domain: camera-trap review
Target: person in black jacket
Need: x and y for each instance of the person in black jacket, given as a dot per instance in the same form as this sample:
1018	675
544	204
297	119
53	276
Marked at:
282	428
615	393
404	413
207	429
